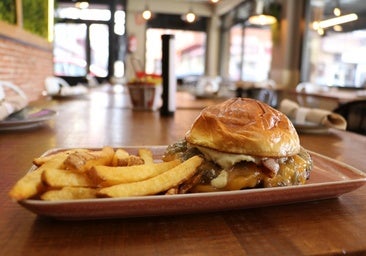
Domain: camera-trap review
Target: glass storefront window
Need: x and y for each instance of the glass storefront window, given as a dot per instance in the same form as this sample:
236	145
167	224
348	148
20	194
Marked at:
70	55
82	43
69	50
189	47
236	42
332	55
250	53
99	41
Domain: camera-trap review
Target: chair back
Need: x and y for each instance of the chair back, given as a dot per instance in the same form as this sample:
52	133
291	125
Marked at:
11	86
355	114
265	95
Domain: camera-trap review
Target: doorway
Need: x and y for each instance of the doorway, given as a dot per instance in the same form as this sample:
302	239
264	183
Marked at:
81	49
89	42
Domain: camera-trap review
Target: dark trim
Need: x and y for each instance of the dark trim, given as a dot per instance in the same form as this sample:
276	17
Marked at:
21	42
172	21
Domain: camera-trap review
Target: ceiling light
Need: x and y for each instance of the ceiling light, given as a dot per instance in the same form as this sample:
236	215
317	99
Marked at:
82	5
260	17
146	14
338	28
315	25
337	20
337	12
190	16
321	31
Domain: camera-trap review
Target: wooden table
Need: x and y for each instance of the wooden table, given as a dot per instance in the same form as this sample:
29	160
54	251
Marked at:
327	227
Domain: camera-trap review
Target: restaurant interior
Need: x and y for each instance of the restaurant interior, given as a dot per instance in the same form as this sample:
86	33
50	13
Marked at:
96	75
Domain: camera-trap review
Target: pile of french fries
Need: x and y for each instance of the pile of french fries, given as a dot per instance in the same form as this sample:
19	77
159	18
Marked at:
83	174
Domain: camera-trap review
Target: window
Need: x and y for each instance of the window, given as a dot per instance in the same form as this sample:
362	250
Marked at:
99	43
236	47
250	46
250	53
189	47
69	50
332	55
83	45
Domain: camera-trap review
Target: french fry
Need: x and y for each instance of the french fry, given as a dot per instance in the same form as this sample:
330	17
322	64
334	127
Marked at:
120	157
157	184
31	184
42	159
146	155
107	176
189	184
38	161
57	178
172	191
69	193
79	174
83	161
134	160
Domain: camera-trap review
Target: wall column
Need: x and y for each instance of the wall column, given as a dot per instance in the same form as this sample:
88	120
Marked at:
213	46
286	53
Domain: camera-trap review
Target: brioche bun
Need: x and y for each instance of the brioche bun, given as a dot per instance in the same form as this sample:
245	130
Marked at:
245	126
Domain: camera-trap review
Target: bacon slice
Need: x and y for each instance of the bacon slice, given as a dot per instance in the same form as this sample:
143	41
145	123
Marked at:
271	166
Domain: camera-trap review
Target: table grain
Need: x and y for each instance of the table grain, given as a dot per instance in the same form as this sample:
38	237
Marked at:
326	227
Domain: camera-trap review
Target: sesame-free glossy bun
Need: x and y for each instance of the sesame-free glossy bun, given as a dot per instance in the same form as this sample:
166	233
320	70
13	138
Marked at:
245	126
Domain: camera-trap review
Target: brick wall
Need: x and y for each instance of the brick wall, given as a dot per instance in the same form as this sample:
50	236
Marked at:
25	64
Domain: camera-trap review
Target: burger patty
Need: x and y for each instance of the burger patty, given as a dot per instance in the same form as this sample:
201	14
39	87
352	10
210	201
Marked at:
263	172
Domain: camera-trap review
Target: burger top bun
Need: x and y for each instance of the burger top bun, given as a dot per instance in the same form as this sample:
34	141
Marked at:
245	126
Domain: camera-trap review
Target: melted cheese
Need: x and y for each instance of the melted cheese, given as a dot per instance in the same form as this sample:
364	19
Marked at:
221	180
226	160
292	172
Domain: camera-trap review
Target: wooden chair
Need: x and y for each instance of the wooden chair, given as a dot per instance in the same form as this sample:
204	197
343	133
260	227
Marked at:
355	114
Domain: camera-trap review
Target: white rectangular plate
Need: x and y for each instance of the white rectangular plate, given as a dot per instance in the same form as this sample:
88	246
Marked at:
328	179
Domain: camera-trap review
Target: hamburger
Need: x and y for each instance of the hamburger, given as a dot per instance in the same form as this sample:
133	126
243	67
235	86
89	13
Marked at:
245	144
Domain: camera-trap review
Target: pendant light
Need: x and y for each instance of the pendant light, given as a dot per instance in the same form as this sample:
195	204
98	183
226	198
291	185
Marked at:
82	4
190	16
261	16
146	14
337	10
